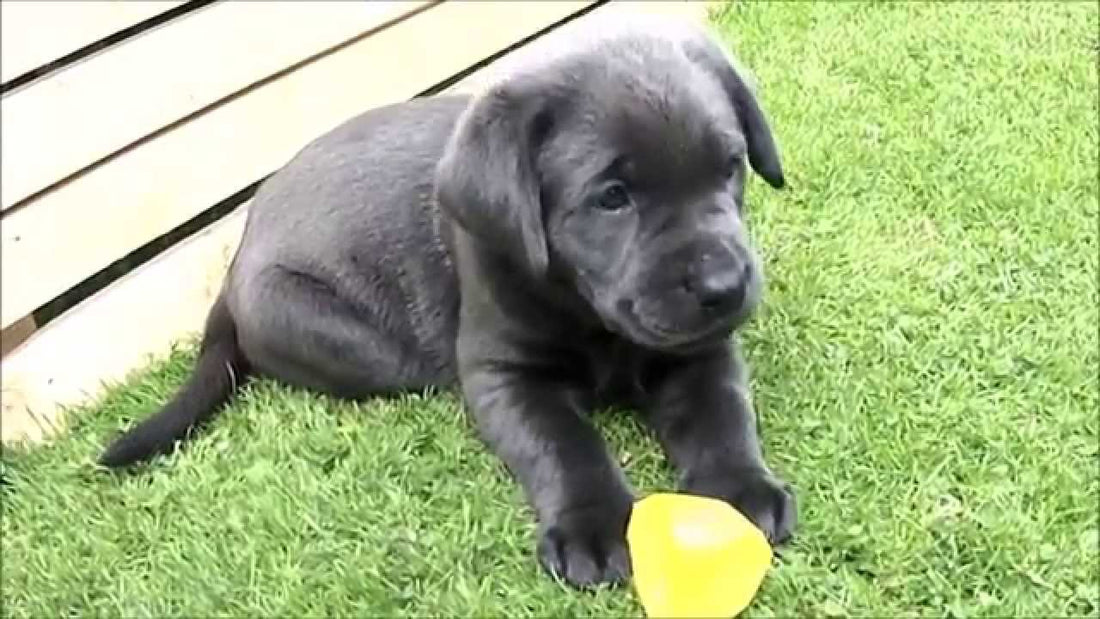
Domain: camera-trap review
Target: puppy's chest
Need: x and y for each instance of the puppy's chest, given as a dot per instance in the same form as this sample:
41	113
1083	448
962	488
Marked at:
616	370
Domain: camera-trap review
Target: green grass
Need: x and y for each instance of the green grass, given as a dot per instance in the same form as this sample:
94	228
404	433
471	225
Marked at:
925	368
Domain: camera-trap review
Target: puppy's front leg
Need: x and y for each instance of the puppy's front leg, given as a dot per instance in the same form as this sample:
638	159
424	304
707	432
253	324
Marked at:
703	416
579	494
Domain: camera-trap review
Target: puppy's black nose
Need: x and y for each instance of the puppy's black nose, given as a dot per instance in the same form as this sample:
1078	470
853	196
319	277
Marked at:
720	290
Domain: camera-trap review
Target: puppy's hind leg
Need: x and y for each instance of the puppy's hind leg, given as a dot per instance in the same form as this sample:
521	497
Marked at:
296	328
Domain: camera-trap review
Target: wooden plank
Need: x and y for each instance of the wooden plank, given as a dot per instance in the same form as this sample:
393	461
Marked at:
611	15
16	334
149	190
115	331
142	315
147	83
34	33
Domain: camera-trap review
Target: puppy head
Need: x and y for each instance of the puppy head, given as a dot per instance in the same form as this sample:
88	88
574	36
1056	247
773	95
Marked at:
620	168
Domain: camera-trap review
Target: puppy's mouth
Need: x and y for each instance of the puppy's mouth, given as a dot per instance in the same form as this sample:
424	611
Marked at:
652	334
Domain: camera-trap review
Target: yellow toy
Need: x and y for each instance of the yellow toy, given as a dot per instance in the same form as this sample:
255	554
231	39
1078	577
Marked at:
695	556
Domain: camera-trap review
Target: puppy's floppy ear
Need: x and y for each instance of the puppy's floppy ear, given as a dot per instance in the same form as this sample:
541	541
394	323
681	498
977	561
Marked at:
763	154
487	180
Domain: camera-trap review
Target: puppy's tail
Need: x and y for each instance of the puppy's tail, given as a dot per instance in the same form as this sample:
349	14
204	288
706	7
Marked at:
218	373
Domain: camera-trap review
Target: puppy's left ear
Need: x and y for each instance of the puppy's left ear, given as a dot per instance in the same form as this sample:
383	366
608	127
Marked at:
486	179
763	154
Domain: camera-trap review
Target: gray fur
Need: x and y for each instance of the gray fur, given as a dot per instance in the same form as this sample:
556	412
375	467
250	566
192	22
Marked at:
570	238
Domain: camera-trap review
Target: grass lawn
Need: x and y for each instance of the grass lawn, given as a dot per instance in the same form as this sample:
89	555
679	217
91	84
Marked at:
925	369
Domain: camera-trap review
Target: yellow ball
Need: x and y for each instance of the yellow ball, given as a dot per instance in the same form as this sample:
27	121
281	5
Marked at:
695	556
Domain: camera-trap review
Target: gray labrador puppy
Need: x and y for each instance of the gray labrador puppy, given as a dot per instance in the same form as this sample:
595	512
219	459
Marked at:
571	238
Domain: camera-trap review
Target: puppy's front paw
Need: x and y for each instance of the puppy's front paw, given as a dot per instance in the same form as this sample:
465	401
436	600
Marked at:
586	546
762	497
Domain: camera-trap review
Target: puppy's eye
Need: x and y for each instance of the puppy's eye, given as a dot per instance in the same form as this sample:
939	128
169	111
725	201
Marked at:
613	197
